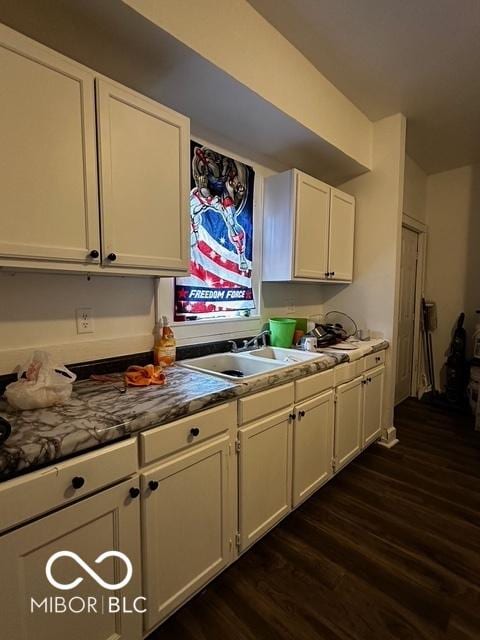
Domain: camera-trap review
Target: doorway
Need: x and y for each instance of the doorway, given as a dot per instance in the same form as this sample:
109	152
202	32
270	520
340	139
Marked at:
411	269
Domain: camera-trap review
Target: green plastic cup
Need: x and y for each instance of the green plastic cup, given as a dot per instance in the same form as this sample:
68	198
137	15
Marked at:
281	331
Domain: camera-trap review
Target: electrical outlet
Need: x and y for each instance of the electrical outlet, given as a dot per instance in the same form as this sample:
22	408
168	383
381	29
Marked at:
290	306
84	320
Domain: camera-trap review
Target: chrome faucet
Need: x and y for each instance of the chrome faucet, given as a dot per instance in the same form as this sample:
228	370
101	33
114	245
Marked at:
250	344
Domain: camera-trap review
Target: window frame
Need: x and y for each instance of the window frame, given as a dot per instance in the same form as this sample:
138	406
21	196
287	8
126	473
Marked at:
198	331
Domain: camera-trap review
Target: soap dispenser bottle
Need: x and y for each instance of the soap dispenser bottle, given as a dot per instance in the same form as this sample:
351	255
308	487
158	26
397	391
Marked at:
164	348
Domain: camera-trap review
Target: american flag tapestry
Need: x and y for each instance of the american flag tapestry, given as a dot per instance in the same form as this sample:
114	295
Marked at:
221	236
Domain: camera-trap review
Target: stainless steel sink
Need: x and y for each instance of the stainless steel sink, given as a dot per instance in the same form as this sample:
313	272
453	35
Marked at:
233	366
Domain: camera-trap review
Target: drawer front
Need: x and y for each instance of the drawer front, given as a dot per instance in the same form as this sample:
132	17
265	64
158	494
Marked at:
265	402
41	491
312	385
346	372
374	360
187	432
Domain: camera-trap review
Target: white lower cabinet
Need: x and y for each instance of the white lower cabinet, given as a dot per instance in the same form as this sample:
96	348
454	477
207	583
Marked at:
199	494
187	529
358	415
107	521
312	445
348	421
265	475
372	405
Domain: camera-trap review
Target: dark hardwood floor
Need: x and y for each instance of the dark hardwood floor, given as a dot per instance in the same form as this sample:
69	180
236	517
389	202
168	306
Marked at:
390	548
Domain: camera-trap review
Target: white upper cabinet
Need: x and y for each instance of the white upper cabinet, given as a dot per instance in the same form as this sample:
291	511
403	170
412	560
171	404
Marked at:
144	171
312	205
48	178
340	237
308	230
54	131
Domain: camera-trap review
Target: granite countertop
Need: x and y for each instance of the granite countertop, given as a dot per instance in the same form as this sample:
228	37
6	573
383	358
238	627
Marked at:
97	413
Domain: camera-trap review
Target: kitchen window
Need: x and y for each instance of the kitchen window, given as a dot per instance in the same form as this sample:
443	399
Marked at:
222	294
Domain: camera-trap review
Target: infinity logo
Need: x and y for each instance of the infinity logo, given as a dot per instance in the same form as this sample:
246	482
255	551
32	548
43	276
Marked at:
87	569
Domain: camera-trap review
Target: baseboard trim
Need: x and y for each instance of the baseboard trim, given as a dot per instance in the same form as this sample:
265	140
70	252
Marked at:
388	445
389	438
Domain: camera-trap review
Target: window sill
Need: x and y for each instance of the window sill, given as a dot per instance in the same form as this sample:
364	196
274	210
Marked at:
199	331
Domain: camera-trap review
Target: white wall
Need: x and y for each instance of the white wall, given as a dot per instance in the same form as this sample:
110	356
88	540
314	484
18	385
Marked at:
293	299
372	298
253	52
453	253
38	311
299	300
415	190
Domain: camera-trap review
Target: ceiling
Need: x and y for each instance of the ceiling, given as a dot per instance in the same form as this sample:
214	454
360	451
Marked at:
418	57
115	40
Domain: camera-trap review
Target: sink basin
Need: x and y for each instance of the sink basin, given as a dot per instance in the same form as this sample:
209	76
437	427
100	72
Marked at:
286	356
233	366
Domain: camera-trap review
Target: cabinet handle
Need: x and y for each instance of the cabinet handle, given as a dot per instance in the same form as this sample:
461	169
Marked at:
194	431
112	257
153	485
301	414
94	254
377	358
292	416
369	379
332	273
134	492
78	482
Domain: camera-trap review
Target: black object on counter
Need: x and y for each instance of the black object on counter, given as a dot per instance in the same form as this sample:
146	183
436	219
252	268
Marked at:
456	367
427	334
5	430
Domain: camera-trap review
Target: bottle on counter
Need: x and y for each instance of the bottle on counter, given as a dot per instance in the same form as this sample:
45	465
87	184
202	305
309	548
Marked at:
164	348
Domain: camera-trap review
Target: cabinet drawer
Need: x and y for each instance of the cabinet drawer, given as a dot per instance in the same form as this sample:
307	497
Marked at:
346	372
265	402
41	491
313	385
374	360
167	439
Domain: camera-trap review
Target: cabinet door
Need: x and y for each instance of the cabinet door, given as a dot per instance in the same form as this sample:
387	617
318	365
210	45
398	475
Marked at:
48	178
144	171
108	521
372	405
312	445
341	236
348	422
312	204
186	527
265	486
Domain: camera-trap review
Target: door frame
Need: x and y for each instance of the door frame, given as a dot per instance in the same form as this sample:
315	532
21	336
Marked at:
416	385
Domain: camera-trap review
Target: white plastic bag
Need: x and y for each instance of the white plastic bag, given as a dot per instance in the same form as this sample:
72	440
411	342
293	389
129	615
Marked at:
41	383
